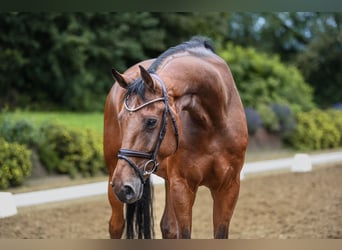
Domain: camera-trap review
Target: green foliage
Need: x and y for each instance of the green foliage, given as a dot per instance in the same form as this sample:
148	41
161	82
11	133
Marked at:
263	79
312	40
283	33
269	119
286	119
63	60
180	26
253	120
21	131
275	118
321	65
69	151
15	164
51	59
317	129
336	115
61	149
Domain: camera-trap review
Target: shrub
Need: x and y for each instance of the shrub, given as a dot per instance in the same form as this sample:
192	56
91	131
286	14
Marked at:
69	151
277	119
286	119
263	79
336	115
21	131
253	120
15	164
317	129
337	106
269	119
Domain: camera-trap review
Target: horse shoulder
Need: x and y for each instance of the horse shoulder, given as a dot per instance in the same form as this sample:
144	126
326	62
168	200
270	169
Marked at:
207	102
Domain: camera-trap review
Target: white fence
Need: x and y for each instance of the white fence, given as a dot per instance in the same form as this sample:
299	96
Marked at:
300	162
297	163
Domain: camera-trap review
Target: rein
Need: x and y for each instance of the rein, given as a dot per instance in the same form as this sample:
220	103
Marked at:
152	164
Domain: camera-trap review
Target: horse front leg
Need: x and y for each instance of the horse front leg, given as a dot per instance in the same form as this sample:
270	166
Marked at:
117	221
182	198
225	200
168	223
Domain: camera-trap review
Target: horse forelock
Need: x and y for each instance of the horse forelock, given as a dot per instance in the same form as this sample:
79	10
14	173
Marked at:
138	88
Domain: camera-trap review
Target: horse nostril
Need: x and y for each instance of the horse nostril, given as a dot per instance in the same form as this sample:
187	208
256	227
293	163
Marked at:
128	191
125	193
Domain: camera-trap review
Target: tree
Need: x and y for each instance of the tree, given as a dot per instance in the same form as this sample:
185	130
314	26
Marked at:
61	59
180	27
283	33
321	65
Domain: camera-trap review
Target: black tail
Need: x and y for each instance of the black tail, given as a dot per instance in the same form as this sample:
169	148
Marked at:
139	215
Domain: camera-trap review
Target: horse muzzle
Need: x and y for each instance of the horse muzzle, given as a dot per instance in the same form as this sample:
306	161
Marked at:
128	192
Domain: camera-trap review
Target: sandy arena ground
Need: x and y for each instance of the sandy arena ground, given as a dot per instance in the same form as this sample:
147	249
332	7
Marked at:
288	205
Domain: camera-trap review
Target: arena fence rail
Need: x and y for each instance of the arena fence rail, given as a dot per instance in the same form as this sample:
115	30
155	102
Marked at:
299	163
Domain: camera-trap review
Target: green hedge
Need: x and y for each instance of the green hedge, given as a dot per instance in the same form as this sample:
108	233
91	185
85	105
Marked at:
69	151
15	163
61	150
317	129
20	131
263	79
269	119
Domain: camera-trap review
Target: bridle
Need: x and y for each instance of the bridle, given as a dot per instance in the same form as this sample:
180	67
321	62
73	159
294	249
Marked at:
151	165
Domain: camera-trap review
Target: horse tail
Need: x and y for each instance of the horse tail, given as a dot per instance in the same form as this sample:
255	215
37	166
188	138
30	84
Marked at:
139	215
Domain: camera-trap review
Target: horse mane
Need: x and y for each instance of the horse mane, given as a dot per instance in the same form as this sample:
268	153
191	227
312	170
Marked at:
195	42
139	215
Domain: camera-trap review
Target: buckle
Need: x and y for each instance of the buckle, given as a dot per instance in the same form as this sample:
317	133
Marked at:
150	167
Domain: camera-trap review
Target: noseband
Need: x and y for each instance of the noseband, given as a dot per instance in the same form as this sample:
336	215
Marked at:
151	165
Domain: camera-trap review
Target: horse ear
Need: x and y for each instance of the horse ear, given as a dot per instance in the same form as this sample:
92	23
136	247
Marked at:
120	78
147	78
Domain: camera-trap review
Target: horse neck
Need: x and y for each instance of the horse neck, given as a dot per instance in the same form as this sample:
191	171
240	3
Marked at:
208	92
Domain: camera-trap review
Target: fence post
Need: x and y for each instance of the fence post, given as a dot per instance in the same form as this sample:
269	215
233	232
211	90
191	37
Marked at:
301	163
7	205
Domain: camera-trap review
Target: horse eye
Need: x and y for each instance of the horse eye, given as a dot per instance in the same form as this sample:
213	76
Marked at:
151	123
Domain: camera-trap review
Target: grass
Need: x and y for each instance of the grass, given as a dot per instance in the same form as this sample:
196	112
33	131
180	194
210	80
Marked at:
93	121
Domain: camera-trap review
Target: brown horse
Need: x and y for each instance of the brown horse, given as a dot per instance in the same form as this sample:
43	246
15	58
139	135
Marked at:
178	116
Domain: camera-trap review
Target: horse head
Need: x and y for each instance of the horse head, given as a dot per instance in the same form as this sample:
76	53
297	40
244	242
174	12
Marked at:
145	135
